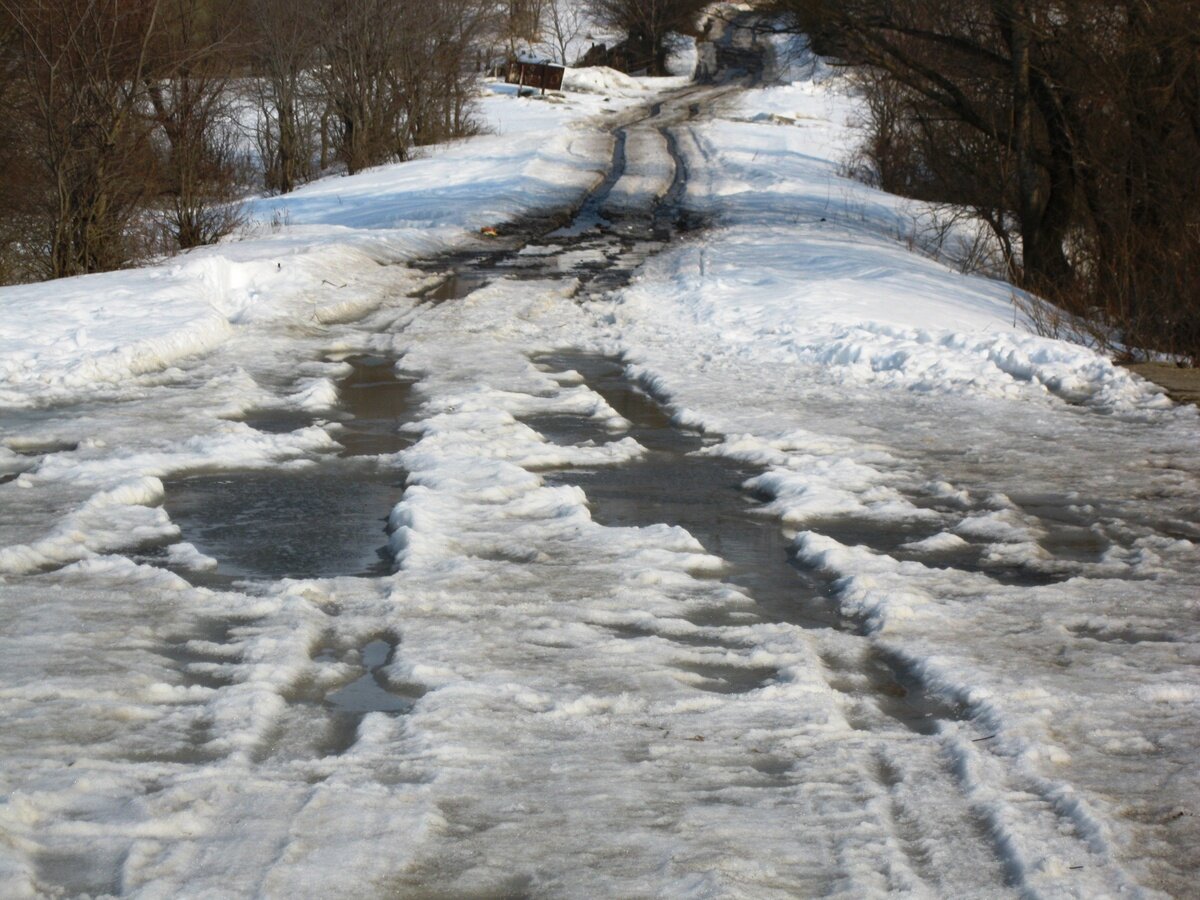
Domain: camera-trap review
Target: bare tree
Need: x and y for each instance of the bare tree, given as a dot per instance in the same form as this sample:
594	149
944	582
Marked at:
1074	128
192	107
647	23
564	24
956	90
121	112
283	39
82	66
19	175
436	78
361	43
397	73
521	24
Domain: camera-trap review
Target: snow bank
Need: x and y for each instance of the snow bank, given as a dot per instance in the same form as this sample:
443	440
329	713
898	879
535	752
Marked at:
805	267
1003	530
988	507
125	516
603	80
317	254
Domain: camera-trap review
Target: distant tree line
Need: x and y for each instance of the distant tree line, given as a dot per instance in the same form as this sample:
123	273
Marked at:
553	27
647	26
130	127
1072	128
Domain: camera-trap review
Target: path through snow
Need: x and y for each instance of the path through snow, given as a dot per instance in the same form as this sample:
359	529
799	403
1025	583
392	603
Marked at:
981	683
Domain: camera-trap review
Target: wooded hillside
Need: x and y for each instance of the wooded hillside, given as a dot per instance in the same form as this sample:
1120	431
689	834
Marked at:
1071	128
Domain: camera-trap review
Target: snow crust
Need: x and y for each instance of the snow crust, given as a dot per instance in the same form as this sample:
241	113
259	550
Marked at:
602	80
648	172
1006	526
293	261
970	490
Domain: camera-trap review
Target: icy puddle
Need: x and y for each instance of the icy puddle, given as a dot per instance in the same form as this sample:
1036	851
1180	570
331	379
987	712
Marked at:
600	257
373	403
462	273
321	722
319	521
676	485
378	402
371	692
599	247
673	484
896	540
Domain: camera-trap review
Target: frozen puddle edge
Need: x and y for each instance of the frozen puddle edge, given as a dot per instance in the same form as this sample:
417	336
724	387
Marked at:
705	494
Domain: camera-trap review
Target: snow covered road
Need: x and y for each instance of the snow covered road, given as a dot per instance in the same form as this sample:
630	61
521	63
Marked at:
764	558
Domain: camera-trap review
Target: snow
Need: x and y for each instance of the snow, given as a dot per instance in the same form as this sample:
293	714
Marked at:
891	391
648	172
601	80
873	312
1005	523
293	260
